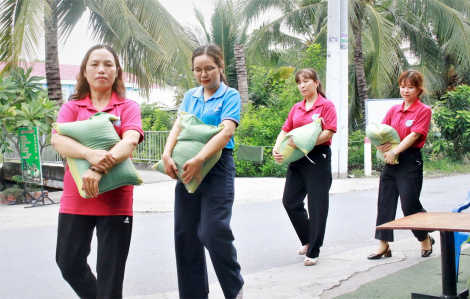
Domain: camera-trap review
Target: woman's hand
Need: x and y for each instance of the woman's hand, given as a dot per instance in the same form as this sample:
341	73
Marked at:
90	182
384	147
389	158
170	166
277	156
290	142
192	169
101	159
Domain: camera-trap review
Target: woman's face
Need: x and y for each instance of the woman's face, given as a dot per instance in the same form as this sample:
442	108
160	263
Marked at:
101	70
408	91
207	72
307	86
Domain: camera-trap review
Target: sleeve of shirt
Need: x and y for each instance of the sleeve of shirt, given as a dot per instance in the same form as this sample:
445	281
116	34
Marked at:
131	119
66	115
232	106
289	123
421	124
388	117
184	104
329	117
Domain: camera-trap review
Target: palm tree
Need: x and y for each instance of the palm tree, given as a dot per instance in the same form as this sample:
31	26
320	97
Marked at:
437	31
152	44
226	29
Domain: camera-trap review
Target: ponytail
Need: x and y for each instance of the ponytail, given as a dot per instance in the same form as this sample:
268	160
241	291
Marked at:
222	79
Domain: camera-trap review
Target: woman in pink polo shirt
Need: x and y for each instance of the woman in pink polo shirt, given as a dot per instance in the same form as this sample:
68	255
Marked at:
309	176
100	88
411	119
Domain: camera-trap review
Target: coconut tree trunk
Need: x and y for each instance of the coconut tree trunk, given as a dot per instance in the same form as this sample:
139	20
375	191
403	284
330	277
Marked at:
361	81
54	88
242	75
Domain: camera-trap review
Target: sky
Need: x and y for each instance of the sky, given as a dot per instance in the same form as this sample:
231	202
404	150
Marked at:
79	42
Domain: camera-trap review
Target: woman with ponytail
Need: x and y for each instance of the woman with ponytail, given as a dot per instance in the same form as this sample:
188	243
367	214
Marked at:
202	218
310	176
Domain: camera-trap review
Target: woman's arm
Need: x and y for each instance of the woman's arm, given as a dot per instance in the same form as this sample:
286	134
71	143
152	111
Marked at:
192	168
406	143
278	156
69	147
324	136
170	166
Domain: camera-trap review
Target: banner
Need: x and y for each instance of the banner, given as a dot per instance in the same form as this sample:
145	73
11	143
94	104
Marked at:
30	155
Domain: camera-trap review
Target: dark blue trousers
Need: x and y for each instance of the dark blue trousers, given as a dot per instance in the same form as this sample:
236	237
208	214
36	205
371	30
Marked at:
202	219
314	180
403	180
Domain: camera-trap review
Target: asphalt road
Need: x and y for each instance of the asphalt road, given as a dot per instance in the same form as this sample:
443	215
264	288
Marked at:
264	237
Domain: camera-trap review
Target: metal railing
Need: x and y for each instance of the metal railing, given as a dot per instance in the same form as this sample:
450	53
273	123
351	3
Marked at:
149	150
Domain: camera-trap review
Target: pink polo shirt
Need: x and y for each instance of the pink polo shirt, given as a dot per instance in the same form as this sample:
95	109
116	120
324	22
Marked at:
414	119
299	116
115	202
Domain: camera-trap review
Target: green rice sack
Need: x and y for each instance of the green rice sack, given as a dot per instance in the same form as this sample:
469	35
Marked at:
305	138
98	132
379	134
193	137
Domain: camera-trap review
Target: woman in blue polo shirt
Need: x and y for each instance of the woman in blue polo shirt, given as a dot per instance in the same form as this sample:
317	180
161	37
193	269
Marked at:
202	218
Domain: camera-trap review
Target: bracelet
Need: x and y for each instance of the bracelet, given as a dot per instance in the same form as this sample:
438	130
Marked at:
95	169
393	153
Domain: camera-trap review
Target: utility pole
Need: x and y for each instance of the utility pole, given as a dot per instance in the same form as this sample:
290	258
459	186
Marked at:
337	82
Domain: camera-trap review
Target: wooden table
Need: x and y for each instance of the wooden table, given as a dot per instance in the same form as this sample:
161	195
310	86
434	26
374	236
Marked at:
446	224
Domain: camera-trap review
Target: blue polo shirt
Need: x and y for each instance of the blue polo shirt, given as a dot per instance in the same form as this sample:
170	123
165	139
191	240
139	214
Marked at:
224	104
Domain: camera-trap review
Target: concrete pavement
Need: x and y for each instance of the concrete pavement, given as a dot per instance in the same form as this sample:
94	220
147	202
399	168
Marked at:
332	276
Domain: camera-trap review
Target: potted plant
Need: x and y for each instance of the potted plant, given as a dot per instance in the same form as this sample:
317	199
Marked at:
12	194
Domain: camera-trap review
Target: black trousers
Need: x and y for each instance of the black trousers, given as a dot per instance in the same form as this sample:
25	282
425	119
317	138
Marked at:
403	180
202	219
73	247
314	180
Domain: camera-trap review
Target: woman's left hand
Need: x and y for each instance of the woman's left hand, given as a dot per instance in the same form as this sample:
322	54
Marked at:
389	158
90	182
192	169
290	142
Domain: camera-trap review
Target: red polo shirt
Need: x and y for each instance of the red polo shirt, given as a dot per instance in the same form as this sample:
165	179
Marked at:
299	116
115	202
414	119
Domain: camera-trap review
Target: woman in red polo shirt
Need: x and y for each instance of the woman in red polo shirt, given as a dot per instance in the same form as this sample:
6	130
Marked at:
100	87
411	119
309	176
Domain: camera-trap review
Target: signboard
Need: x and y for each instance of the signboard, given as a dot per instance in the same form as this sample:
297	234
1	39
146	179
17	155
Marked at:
30	155
376	109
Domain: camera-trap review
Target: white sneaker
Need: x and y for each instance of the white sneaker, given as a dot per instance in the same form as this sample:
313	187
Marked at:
310	261
240	294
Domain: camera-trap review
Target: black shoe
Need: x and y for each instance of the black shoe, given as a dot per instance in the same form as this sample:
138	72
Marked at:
386	253
426	253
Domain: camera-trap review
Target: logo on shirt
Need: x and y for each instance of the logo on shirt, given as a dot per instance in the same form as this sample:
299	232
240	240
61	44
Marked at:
409	122
118	121
217	109
315	116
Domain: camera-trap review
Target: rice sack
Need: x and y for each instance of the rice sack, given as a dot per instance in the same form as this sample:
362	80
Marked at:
379	134
304	137
193	137
98	132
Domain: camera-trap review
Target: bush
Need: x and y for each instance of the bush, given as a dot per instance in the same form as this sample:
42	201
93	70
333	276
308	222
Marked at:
452	117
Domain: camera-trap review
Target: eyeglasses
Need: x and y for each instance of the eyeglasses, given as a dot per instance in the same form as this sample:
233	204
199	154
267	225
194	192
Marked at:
208	70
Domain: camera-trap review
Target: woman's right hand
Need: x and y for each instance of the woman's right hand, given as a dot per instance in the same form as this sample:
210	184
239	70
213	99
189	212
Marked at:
277	156
384	147
170	166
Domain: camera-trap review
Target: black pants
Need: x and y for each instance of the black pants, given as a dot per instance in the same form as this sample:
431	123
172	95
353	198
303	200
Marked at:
403	180
314	180
73	247
202	219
